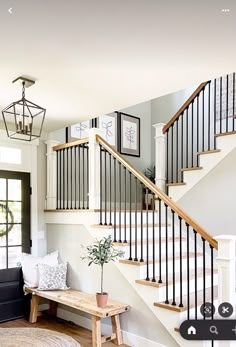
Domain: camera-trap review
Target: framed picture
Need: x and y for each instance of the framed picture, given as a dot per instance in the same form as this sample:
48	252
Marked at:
79	130
129	135
108	125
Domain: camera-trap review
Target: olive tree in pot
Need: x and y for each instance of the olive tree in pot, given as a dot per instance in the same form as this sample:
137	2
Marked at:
101	252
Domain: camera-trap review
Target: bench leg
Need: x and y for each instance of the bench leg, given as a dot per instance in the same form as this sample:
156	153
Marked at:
96	331
53	308
115	320
34	309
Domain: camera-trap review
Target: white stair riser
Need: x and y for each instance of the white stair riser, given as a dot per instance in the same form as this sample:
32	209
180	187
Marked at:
162	290
121	216
143	268
150	249
183	315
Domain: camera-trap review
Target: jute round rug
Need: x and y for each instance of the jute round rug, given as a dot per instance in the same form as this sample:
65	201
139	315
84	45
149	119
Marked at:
34	337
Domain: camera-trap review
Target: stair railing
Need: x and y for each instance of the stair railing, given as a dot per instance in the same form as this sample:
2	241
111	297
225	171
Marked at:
209	112
72	172
161	235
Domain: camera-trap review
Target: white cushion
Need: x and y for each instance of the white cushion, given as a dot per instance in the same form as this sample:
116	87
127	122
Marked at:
52	277
30	270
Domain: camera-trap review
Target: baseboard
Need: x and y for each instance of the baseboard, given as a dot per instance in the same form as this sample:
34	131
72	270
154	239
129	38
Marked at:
129	338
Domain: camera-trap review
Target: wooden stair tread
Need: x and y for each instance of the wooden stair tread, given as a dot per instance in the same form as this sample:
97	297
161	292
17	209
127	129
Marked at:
192	300
192	168
225	134
127	225
175	184
209	151
150	261
163	240
177	278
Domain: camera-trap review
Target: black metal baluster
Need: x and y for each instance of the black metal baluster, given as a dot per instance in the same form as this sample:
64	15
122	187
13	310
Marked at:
100	184
115	200
180	263
159	204
87	148
167	278
220	105
209	116
204	273
110	186
67	178
83	166
182	145
57	192
186	138
197	129
153	240
177	150
63	179
227	103
195	270
172	153
120	239
125	237
214	113
130	216
203	119
141	259
147	240
192	148
173	254
105	187
167	156
75	174
188	275
60	175
233	100
71	177
136	221
79	178
212	279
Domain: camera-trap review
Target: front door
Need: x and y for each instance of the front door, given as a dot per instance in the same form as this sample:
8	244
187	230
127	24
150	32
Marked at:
14	217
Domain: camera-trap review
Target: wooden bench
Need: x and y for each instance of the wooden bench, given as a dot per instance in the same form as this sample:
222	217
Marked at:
84	302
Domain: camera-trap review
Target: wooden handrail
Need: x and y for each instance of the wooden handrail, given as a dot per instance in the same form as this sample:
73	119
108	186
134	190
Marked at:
142	178
71	144
185	105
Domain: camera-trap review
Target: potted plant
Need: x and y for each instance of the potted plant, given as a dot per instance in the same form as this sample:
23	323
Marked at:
101	252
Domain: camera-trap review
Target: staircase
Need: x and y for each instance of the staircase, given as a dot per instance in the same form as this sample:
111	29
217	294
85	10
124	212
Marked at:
170	260
200	135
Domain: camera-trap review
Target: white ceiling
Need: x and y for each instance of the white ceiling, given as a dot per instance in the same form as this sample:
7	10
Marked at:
91	57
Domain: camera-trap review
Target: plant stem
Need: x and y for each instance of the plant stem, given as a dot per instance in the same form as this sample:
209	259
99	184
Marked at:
101	279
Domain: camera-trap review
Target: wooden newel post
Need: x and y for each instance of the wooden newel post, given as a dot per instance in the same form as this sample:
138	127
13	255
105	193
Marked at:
51	175
94	169
160	156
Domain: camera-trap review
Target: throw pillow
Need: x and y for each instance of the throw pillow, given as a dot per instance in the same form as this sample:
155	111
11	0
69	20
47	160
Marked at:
30	270
52	277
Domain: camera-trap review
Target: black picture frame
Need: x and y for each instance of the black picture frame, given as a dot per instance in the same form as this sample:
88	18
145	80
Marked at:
129	137
71	135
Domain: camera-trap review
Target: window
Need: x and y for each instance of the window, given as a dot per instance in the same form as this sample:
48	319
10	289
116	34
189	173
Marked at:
10	155
14	216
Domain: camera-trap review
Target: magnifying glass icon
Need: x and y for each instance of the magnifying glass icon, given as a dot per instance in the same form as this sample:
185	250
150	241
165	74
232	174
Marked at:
213	329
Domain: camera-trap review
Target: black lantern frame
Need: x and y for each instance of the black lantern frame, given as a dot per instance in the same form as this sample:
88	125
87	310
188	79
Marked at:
24	119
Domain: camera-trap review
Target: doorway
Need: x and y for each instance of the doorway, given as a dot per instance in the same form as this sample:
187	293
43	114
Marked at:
14	217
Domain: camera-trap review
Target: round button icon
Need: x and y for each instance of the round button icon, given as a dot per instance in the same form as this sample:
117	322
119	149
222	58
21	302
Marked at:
225	310
207	309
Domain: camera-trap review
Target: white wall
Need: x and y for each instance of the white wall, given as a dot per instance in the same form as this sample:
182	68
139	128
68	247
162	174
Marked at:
139	320
212	201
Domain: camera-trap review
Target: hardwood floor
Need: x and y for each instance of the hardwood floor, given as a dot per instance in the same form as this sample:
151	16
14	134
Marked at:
83	336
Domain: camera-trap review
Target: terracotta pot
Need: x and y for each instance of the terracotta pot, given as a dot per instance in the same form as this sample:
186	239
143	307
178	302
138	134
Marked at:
101	299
